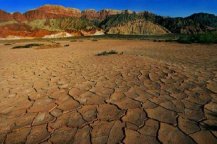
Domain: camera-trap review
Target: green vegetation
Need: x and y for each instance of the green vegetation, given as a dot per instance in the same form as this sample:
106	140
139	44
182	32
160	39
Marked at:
27	46
171	37
206	38
106	53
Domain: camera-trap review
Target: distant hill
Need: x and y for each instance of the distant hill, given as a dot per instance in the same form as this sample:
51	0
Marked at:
137	27
196	23
51	19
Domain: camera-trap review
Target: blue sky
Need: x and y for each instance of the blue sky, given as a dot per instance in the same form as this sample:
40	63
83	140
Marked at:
161	7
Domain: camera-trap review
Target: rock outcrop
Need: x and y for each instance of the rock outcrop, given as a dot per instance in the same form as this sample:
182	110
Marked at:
4	16
19	17
108	12
138	27
101	15
90	14
52	11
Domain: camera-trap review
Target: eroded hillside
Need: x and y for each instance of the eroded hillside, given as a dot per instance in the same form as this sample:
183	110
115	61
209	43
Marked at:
52	19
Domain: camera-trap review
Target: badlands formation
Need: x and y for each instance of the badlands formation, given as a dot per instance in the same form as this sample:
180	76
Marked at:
55	20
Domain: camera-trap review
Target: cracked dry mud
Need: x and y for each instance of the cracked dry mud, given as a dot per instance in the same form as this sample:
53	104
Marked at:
154	93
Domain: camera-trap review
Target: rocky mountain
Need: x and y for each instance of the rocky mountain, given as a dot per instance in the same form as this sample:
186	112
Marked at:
182	25
204	18
52	19
54	11
197	23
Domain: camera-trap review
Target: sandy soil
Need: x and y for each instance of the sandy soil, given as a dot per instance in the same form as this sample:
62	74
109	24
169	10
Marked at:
153	93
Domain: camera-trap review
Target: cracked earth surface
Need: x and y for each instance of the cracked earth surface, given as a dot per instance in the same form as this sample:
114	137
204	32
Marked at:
154	93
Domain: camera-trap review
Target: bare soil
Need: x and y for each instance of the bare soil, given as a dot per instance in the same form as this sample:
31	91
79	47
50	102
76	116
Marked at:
153	92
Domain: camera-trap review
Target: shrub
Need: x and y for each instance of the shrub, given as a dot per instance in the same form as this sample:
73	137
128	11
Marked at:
105	53
67	45
27	46
49	46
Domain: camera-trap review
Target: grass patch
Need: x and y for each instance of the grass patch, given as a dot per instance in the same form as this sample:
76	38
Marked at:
50	46
27	46
206	38
106	53
121	37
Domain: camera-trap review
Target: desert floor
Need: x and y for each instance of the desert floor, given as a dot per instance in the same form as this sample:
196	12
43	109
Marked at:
155	92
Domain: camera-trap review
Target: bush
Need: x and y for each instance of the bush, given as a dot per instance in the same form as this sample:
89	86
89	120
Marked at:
67	45
206	38
105	53
49	46
185	39
27	46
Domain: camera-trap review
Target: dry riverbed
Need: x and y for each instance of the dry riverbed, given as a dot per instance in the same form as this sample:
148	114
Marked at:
150	92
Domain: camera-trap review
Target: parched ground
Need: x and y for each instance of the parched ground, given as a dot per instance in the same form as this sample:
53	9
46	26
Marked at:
153	93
